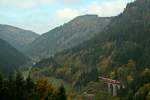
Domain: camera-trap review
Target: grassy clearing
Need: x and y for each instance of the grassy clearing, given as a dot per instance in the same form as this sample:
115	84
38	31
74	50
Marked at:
57	82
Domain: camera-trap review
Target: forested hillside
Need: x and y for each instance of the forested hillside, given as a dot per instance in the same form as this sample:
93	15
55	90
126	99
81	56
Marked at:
120	52
17	37
68	35
10	58
18	88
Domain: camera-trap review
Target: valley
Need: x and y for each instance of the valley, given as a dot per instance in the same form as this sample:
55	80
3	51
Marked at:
87	58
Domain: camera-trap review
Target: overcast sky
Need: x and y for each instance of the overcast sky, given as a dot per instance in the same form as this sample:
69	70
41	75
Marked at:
42	15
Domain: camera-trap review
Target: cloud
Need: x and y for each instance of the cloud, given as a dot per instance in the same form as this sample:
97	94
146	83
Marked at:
43	15
71	1
33	3
103	9
24	3
108	8
67	14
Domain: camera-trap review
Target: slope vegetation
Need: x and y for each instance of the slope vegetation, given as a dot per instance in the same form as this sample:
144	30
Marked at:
120	52
10	58
17	37
68	35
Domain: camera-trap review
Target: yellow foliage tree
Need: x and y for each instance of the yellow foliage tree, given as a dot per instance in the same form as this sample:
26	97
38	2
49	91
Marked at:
44	89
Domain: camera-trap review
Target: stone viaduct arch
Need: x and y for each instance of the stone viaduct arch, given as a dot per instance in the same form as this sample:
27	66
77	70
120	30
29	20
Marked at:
113	85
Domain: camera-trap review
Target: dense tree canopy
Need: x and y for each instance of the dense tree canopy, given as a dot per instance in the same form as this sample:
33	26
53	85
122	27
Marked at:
19	89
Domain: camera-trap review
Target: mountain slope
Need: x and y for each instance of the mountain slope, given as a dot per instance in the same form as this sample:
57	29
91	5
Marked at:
17	37
10	58
69	35
120	52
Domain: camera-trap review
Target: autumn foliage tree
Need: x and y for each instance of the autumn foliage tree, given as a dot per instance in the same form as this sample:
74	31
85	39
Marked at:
19	88
44	90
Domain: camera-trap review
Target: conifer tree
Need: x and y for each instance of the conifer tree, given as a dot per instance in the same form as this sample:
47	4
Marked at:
19	86
62	93
29	86
1	85
1	81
